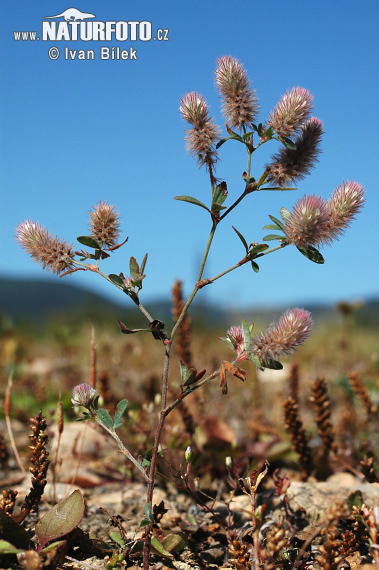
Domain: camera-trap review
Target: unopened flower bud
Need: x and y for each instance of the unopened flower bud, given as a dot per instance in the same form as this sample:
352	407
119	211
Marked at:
188	454
228	462
235	335
83	395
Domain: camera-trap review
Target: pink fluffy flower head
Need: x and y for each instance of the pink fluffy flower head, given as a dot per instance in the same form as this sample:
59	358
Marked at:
203	135
292	109
289	165
235	335
104	224
283	337
308	223
343	205
83	395
240	104
54	254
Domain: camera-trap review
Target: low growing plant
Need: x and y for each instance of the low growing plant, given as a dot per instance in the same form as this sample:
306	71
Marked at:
313	222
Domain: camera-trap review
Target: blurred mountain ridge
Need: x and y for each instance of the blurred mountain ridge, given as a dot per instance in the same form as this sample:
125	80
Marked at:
38	301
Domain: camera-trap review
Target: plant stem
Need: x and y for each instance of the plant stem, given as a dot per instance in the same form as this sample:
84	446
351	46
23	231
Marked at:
242	262
125	451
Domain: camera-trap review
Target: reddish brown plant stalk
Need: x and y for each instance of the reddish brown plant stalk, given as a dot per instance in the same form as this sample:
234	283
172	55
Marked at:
321	402
294	427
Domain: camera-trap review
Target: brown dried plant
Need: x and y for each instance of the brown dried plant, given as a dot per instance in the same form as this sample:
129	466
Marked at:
294	427
183	339
275	543
294	381
320	400
362	392
4	452
39	462
8	501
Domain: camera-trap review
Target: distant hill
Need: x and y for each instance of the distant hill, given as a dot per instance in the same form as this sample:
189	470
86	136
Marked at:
39	301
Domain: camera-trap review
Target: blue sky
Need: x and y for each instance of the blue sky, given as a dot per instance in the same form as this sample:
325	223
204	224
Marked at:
76	132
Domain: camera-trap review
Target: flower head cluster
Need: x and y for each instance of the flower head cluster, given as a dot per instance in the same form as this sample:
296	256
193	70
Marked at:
315	221
83	395
240	104
104	224
308	223
343	205
281	338
54	254
292	109
288	164
204	133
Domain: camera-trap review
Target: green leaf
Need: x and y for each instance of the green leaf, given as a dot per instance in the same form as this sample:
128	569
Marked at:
247	135
242	239
271	237
277	189
271	227
134	267
276	221
255	266
173	542
227	342
143	264
254	358
246	335
61	519
191	377
57	545
148	512
119	412
116	279
88	241
258	248
311	253
355	499
286	141
222	141
160	548
105	418
115	535
272	364
192	200
14	531
8	548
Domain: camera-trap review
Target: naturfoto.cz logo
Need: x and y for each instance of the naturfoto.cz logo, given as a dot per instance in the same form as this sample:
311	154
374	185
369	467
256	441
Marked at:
77	25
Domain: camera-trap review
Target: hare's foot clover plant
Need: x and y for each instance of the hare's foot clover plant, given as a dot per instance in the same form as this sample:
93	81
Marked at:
313	222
